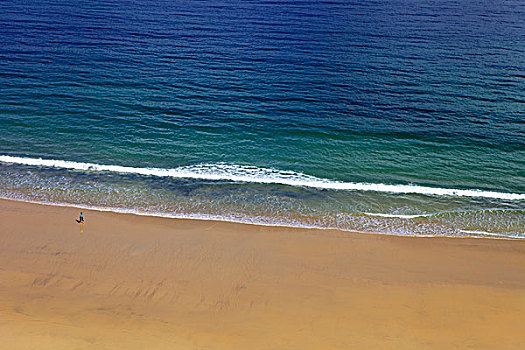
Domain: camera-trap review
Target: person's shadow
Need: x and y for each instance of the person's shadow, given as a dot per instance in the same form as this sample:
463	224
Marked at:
81	222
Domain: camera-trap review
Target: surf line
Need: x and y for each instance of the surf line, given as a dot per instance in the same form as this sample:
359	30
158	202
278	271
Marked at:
243	173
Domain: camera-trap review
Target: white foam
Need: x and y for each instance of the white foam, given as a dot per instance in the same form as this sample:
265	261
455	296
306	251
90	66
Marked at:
492	234
242	173
399	216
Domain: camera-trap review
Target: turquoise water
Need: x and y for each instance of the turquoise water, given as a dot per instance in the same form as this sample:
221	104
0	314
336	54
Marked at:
402	117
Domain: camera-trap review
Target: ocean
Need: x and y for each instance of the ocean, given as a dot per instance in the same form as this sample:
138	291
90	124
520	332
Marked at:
396	117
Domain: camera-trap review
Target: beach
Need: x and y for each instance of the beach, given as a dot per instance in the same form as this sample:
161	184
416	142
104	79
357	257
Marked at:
125	281
262	175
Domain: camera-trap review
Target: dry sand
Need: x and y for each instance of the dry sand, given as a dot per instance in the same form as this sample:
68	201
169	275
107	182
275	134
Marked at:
131	282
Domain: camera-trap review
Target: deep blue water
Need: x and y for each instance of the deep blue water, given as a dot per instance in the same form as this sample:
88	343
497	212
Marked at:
271	112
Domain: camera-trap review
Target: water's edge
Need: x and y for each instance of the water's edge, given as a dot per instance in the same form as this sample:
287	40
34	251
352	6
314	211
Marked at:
240	222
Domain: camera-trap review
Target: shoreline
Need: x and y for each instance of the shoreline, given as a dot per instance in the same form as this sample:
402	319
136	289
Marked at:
134	282
481	235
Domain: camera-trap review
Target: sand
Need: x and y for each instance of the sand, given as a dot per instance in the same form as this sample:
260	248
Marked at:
134	282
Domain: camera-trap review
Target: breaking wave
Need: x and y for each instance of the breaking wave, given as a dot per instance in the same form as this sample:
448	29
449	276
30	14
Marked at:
253	174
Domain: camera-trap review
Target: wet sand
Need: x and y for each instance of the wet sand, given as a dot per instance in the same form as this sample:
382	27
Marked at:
133	282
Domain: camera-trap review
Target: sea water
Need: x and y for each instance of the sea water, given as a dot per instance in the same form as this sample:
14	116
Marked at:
400	117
